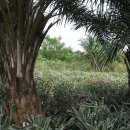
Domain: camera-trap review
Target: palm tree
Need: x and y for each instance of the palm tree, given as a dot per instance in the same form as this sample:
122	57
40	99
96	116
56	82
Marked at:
110	22
92	48
23	26
111	26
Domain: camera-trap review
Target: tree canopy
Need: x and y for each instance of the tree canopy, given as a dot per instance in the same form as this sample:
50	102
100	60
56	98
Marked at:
109	23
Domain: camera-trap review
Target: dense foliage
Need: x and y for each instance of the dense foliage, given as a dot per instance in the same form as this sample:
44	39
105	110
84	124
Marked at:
53	54
77	100
53	48
71	98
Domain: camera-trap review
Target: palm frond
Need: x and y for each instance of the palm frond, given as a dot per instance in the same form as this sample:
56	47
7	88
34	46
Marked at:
110	24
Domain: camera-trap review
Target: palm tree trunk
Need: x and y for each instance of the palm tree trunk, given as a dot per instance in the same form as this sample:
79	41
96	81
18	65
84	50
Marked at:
127	63
95	63
21	93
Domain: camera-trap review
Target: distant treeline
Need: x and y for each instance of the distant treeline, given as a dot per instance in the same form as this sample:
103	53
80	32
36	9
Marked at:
54	49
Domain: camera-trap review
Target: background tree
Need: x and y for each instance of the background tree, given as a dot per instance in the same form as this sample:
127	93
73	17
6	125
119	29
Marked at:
111	26
53	48
93	49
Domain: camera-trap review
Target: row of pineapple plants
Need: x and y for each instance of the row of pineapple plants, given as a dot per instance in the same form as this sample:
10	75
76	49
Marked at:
73	100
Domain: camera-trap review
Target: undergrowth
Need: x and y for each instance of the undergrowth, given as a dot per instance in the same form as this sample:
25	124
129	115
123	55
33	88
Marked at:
76	100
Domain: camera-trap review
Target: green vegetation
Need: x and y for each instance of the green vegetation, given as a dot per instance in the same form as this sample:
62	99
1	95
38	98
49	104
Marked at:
54	46
70	90
93	50
84	100
78	100
73	99
54	55
72	95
